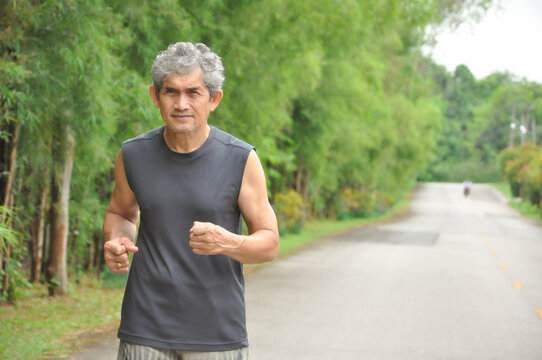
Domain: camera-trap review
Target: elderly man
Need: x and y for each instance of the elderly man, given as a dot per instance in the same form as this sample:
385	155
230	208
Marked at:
189	185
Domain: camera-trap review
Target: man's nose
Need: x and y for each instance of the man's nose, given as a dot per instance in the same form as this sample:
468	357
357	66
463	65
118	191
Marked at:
181	102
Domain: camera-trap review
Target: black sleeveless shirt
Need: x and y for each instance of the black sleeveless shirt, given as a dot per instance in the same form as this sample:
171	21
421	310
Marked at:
174	298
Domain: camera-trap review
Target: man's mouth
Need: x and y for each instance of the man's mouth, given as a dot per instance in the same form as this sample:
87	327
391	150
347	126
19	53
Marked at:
181	116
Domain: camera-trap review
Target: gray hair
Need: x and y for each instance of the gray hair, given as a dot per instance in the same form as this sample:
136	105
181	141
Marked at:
182	58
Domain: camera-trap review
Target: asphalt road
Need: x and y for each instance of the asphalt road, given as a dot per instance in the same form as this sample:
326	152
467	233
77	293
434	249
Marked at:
454	279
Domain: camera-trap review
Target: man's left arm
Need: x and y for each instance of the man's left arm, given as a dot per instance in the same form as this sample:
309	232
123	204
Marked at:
262	243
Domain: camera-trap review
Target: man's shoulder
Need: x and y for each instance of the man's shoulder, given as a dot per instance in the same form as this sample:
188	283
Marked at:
152	134
229	140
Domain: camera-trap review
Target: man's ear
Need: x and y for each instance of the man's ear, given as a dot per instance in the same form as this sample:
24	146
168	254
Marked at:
154	96
215	99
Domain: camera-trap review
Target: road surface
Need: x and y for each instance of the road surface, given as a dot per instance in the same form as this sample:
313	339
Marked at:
454	279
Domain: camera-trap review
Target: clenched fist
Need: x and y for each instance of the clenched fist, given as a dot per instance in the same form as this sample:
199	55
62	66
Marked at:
116	254
210	239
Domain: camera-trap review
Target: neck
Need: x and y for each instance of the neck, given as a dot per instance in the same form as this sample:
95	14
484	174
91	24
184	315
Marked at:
186	142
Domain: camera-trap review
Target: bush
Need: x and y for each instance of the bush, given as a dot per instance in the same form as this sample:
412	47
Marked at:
533	179
522	168
356	203
12	276
385	200
290	211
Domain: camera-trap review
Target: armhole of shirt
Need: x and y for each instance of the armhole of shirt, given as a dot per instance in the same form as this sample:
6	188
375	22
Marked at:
242	171
126	167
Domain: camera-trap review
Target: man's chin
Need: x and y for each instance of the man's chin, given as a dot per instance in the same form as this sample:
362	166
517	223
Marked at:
180	129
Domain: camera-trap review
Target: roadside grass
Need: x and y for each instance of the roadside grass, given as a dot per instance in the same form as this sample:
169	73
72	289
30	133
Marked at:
43	327
524	207
317	230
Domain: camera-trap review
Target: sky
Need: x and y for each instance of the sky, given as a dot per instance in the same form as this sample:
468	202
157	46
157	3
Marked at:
508	38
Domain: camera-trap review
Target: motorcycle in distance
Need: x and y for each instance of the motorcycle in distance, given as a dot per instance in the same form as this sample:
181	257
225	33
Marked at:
467	184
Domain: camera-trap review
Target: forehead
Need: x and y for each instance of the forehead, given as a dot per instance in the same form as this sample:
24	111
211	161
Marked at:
190	80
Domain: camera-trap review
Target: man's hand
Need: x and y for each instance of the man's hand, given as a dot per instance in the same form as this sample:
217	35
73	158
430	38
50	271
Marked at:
116	254
210	239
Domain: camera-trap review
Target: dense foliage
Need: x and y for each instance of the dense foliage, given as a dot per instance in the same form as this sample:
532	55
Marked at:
480	119
522	169
335	95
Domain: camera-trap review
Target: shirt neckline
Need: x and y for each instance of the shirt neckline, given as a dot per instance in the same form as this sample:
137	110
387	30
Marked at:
193	154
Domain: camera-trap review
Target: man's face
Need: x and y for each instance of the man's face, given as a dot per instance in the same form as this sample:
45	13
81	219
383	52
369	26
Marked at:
185	102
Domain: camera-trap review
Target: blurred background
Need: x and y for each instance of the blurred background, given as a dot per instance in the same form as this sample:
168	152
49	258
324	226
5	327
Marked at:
349	103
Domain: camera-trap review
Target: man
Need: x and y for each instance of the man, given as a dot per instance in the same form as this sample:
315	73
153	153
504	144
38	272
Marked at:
188	183
467	185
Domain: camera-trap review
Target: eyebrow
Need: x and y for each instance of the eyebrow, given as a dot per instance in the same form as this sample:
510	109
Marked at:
193	88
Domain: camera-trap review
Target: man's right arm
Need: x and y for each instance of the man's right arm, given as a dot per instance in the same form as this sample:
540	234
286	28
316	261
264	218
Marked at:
120	222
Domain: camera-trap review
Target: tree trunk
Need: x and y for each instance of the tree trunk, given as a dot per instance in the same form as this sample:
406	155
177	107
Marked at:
523	128
5	283
38	234
57	272
302	181
91	253
533	130
512	126
8	202
100	256
299	178
94	252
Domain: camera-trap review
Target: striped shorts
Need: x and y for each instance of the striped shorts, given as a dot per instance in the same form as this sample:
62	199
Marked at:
129	351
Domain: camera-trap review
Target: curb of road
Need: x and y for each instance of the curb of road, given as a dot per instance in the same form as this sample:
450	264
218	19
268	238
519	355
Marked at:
499	195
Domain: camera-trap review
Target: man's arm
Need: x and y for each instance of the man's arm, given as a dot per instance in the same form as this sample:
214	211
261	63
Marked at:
262	243
120	222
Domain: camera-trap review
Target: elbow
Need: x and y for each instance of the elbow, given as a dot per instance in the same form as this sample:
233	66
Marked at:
274	251
131	215
269	252
259	249
268	256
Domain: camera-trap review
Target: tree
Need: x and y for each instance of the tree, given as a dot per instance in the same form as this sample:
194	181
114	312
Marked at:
336	97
